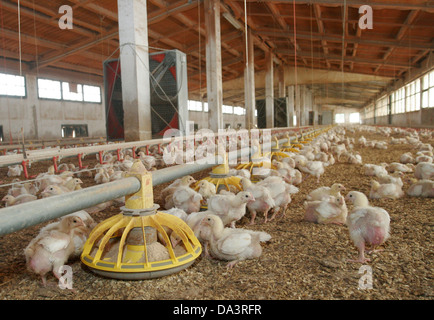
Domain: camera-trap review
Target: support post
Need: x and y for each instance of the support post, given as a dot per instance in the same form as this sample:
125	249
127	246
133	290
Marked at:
134	57
213	65
249	82
269	91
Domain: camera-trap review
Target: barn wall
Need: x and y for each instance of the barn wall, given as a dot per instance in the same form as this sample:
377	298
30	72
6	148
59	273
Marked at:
201	119
423	118
42	118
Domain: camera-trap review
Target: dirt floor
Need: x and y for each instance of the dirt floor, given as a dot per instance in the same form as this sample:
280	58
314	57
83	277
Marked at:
303	260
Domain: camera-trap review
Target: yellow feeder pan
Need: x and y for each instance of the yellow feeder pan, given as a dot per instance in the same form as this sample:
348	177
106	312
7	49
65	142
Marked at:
276	152
140	242
287	147
297	144
219	176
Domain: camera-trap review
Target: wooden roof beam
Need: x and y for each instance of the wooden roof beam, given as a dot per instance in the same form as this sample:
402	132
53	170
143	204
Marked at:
317	13
338	38
408	21
397	4
80	47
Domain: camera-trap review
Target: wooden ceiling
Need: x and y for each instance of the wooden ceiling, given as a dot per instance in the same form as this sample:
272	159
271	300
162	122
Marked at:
326	37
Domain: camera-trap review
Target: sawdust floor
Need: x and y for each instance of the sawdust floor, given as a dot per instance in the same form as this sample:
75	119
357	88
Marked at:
302	260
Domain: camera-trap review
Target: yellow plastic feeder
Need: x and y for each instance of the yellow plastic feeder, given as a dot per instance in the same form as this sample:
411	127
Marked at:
220	176
287	147
276	152
140	242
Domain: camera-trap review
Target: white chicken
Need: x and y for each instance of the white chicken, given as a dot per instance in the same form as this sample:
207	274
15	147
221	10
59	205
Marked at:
23	188
181	182
15	170
407	158
22	198
280	192
185	198
148	161
328	210
396	166
206	189
324	192
424	158
374	169
232	244
80	237
421	188
313	168
366	224
263	200
424	170
386	190
52	249
394	178
101	176
230	207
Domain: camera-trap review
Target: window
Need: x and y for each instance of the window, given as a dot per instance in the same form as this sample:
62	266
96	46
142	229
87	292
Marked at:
92	94
294	120
49	89
398	101
428	90
53	89
239	111
412	102
381	106
194	105
74	130
369	111
340	118
12	85
72	91
228	109
355	117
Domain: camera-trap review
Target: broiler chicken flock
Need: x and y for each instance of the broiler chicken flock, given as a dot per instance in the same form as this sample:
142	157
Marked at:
221	228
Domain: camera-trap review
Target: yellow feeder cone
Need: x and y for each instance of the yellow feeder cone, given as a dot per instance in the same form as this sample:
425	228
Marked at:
287	147
276	153
220	176
140	242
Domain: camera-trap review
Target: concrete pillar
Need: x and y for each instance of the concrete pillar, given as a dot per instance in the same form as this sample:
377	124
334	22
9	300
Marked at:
282	86
290	105
213	65
269	90
249	82
297	105
134	57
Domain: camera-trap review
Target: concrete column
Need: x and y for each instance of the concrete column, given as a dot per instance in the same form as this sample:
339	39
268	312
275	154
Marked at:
282	86
214	65
303	101
134	57
249	82
269	90
297	105
290	105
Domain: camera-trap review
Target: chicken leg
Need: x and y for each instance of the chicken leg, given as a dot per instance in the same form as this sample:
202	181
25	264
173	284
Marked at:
361	258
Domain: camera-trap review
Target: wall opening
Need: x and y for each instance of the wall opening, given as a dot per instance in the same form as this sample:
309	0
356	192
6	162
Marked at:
74	130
